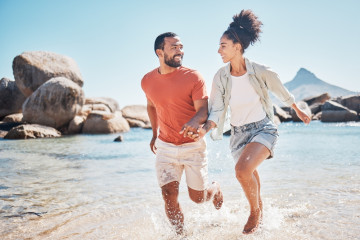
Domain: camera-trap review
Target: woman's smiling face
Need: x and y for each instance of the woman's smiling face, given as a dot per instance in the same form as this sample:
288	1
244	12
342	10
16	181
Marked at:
227	49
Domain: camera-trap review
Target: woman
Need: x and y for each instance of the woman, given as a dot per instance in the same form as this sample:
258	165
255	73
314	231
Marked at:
243	85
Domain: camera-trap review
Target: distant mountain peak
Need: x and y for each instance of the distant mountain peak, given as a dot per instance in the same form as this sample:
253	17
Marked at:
305	84
305	75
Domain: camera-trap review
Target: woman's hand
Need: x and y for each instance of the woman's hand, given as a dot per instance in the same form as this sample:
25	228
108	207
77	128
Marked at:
301	114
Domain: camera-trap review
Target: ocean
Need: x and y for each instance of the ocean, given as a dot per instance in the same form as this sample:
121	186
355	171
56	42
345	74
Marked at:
90	187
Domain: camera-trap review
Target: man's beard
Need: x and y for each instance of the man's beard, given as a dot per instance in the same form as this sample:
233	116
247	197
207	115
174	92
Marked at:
171	61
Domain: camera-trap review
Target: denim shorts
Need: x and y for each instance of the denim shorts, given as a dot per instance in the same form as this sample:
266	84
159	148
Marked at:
263	131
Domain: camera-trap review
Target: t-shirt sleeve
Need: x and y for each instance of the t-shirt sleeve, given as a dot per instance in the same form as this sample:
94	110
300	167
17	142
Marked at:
199	90
143	83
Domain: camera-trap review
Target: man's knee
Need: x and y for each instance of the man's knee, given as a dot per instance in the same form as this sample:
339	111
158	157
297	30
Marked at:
197	196
170	191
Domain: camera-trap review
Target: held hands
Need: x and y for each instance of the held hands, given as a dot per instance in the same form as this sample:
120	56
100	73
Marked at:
199	132
193	130
196	135
189	128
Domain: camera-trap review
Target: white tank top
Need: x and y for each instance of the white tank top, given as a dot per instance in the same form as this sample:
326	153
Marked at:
244	102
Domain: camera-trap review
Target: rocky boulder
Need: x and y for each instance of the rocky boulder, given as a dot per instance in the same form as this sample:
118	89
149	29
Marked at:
100	102
16	117
11	98
317	99
335	112
351	102
99	122
6	126
54	103
137	116
317	116
32	131
303	106
315	108
282	115
76	124
32	69
3	133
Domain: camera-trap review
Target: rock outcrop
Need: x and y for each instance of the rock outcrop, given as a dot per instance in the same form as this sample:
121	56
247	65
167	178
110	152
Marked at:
11	98
335	112
351	102
32	69
54	104
317	99
281	114
99	122
137	116
32	131
100	102
16	118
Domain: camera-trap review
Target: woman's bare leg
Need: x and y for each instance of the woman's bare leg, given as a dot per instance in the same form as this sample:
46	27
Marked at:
252	156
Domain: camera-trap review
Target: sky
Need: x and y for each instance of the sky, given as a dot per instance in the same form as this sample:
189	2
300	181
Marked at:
112	41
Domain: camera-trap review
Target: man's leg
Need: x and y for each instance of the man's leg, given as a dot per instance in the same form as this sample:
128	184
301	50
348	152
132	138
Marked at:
170	193
213	192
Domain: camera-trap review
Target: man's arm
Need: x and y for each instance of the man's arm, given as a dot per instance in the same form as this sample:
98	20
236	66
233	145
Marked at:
201	108
154	124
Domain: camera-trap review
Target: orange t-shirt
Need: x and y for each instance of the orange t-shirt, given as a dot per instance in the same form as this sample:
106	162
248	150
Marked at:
173	96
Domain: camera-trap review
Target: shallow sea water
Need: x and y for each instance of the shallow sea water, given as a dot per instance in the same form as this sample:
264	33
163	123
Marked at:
89	187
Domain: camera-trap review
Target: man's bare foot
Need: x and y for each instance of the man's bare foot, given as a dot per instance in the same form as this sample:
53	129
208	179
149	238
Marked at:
218	197
253	222
179	230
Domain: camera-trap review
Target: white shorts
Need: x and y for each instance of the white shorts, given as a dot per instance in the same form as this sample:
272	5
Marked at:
172	159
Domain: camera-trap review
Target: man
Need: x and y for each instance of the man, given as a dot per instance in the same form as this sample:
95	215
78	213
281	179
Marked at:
177	105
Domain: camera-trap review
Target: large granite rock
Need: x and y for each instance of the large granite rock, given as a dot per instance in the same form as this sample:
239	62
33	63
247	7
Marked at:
32	69
5	127
315	108
335	112
16	117
317	116
282	115
96	103
11	98
351	102
333	106
103	122
317	99
76	124
54	103
303	106
137	116
32	131
3	133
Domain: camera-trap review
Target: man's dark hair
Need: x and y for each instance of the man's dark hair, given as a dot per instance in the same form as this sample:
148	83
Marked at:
159	41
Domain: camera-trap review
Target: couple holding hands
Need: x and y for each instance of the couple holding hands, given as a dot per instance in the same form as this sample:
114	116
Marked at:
181	114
